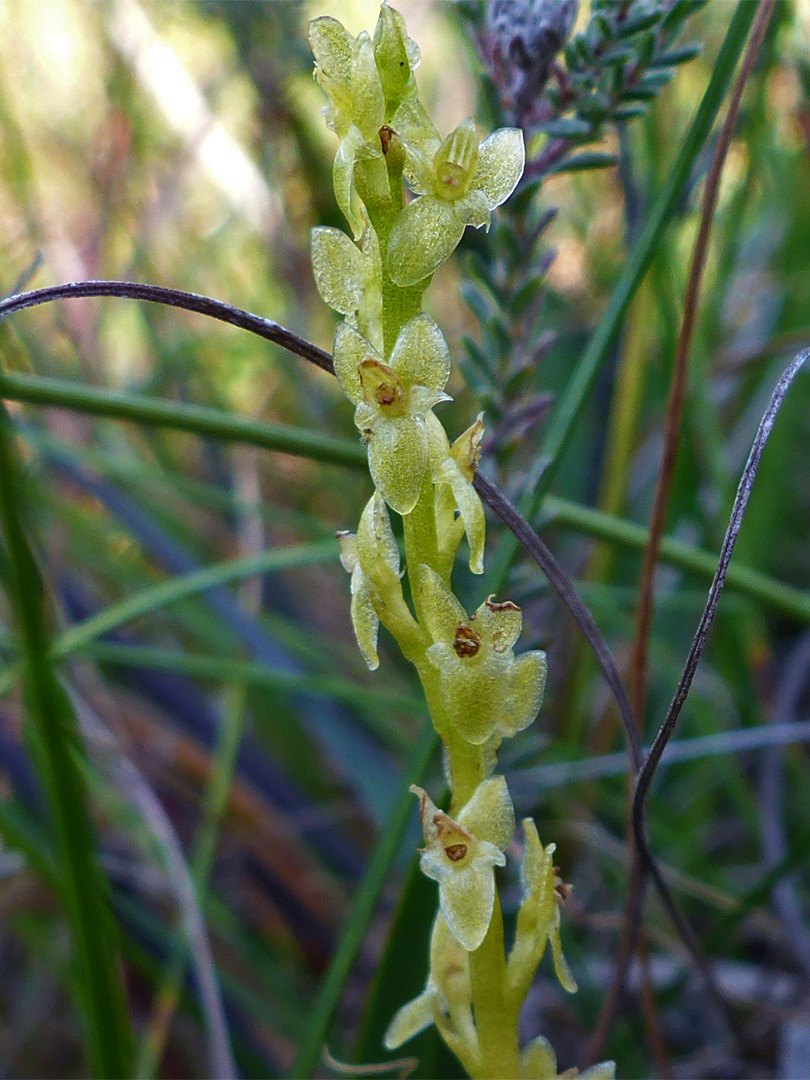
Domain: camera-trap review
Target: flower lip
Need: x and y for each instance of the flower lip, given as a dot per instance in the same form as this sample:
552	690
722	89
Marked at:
380	384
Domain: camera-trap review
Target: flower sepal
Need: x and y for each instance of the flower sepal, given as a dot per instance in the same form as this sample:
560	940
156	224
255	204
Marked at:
538	920
452	470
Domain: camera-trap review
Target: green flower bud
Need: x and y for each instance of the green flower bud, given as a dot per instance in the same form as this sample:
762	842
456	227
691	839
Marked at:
372	559
453	469
538	919
396	55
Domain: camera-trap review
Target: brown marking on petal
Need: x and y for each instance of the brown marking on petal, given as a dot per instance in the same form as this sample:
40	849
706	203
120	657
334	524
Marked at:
449	832
380	383
455	852
467	641
504	605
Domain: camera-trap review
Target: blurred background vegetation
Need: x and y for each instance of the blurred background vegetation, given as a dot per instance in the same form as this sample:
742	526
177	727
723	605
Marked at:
243	764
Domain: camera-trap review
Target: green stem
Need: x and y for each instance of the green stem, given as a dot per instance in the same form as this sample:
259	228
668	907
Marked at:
398	303
495	1020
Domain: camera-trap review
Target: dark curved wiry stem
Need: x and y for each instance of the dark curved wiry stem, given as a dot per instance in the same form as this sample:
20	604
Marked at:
647	772
563	586
157	294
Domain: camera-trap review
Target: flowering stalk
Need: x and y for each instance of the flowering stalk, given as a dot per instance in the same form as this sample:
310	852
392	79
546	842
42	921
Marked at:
393	362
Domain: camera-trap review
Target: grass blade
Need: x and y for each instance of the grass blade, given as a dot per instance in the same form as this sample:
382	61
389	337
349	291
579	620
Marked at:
58	751
197	419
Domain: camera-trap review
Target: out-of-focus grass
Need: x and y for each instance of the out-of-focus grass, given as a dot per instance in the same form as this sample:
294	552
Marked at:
182	144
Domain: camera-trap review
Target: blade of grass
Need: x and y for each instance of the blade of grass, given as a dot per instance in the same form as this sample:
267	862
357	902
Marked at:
58	753
225	669
197	419
677	392
158	294
136	792
563	420
180	588
648	770
743	579
354	932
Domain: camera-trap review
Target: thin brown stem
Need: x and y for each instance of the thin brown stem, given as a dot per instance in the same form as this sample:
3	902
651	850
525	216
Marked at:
677	390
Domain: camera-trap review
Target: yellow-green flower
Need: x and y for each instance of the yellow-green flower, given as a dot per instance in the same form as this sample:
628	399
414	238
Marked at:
393	400
368	556
487	690
445	1001
346	70
539	1062
458	183
538	919
462	854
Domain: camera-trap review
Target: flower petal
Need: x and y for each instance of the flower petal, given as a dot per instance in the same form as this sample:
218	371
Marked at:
421	354
475	522
349	352
466	900
605	1070
524	693
473	209
489	813
500	624
397	459
343	178
368	100
501	158
561	968
366	625
473	698
375	537
412	1018
425	233
331	45
338	267
538	1060
443	613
